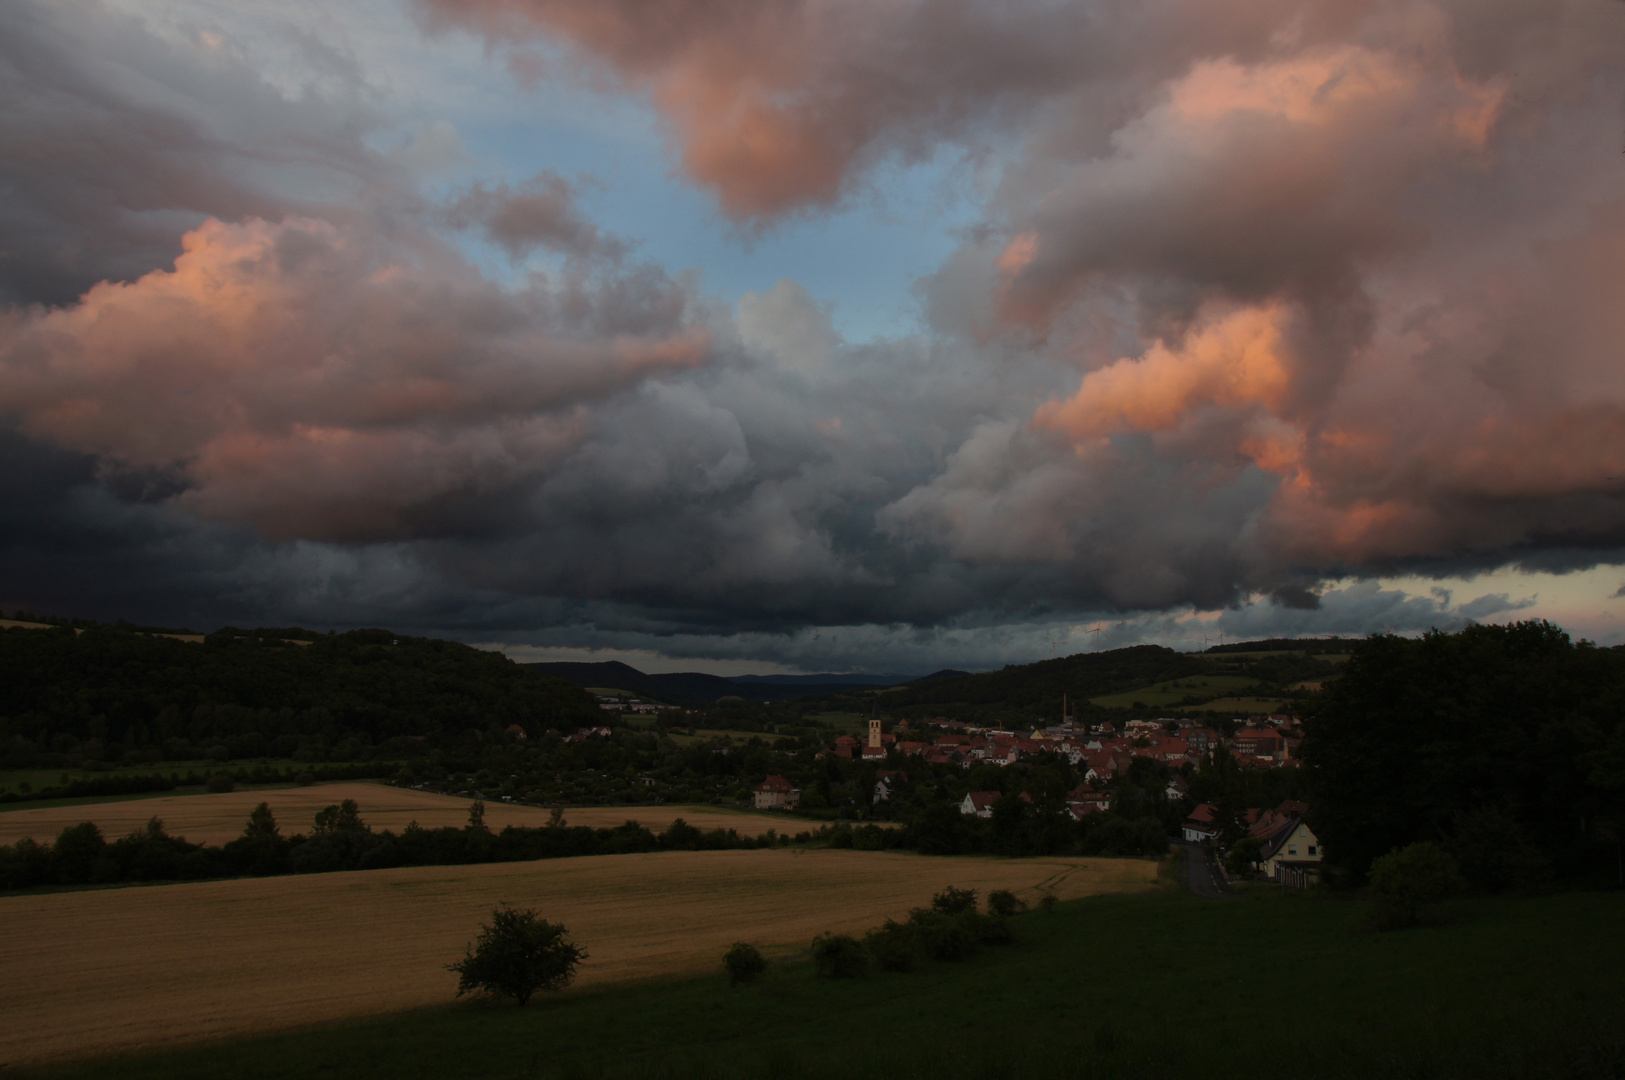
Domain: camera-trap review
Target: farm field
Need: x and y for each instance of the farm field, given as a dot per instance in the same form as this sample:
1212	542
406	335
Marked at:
1151	985
215	819
120	970
1173	691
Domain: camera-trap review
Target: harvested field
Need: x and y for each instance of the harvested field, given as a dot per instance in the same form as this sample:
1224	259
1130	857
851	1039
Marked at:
93	973
215	819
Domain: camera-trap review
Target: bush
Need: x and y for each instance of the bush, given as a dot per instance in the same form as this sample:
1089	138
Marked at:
517	955
745	965
839	956
1003	903
944	937
1409	885
220	783
987	929
952	901
1046	903
895	946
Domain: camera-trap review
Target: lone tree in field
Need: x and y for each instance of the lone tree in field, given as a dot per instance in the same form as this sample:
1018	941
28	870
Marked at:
517	955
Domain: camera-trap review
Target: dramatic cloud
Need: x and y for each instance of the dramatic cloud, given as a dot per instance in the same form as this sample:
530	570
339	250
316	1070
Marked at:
326	383
1262	299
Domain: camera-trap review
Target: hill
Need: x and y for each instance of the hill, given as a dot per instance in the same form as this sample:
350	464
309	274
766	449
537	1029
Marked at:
1027	688
258	693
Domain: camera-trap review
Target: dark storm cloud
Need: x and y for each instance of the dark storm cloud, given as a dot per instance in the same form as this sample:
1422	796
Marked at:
113	143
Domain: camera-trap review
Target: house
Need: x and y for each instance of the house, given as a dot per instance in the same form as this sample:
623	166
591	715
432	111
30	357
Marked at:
1202	824
1177	788
888	781
1259	742
873	753
776	793
845	746
517	732
979	803
1292	854
1084	799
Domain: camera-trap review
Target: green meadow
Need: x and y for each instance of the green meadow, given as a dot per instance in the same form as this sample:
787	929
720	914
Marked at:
1153	985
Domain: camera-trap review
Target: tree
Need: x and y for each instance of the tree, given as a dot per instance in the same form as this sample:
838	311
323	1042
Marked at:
1410	883
346	817
476	814
517	955
745	964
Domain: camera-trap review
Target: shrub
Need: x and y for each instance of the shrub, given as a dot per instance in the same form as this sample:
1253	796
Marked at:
745	965
986	929
305	779
943	937
952	901
1003	903
1409	885
1046	903
839	956
220	783
517	955
895	946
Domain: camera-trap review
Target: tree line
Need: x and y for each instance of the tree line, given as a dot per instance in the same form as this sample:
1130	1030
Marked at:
339	840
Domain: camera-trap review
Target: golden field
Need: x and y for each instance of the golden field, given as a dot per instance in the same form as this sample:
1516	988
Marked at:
108	971
215	819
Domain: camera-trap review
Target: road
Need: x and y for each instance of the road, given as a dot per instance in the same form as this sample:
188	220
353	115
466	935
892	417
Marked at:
1202	875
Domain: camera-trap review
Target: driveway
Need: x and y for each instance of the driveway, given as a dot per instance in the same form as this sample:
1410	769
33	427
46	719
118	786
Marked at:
1202	874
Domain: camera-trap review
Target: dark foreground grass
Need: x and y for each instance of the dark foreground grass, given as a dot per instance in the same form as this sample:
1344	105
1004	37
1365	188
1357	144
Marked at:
1157	985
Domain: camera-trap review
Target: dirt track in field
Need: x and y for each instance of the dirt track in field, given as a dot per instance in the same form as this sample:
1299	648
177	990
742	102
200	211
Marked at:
215	819
93	973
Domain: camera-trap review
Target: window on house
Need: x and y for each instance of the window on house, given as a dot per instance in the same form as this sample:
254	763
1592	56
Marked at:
1311	849
1291	850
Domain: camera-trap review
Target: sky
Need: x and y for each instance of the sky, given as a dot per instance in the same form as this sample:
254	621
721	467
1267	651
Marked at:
815	335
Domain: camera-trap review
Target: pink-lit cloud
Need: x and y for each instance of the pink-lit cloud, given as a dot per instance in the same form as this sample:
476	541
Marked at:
326	382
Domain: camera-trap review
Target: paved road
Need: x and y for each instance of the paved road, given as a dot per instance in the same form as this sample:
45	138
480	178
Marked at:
1202	875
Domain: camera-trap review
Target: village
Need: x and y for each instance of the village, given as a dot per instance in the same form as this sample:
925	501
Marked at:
1275	843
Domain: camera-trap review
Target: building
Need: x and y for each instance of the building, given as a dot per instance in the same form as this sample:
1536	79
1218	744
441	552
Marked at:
776	793
1202	825
1292	853
979	803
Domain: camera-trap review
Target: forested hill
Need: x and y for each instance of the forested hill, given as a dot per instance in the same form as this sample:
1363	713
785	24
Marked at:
1026	687
257	687
682	686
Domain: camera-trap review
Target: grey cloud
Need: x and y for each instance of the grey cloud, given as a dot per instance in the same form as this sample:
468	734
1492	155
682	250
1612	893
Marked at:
541	212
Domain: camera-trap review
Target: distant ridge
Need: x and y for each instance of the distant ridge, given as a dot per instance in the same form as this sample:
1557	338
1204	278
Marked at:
853	679
694	687
676	687
945	673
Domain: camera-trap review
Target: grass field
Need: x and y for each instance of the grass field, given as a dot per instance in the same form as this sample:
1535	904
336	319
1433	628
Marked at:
1173	691
116	970
215	819
1155	985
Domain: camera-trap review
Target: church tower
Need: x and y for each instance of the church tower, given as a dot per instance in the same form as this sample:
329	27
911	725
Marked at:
874	734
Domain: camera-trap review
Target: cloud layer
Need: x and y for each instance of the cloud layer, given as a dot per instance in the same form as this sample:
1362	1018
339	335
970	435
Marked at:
1262	296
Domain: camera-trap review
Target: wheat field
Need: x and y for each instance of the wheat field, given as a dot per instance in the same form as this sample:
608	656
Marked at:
110	971
215	819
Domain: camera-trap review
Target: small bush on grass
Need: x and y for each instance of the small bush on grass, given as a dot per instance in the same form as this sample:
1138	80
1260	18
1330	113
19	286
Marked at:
1046	903
745	965
952	901
839	956
1003	903
1411	885
895	946
221	783
517	955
